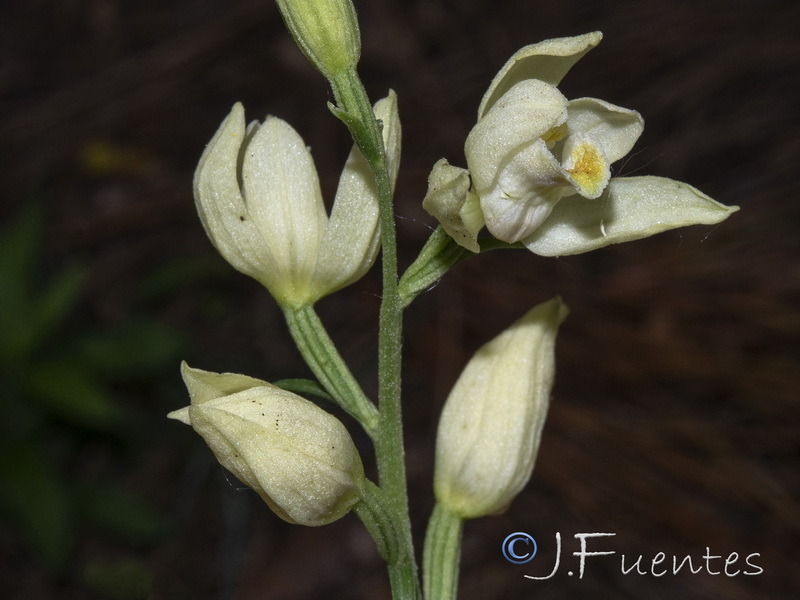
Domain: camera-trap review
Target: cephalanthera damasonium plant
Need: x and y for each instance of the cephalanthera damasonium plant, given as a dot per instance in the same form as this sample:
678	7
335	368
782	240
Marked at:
537	176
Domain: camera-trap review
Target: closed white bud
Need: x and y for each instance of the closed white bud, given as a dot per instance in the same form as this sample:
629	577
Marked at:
300	459
491	424
258	196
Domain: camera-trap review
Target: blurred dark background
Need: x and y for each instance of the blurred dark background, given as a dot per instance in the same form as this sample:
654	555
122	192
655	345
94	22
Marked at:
674	422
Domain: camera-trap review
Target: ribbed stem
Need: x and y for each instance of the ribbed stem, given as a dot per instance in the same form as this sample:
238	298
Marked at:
442	554
324	360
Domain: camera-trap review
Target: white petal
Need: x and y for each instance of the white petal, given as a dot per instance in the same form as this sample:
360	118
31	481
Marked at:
527	190
282	193
615	129
220	204
352	237
548	60
630	209
526	112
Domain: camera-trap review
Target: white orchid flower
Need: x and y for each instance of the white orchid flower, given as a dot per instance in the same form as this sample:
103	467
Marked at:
259	199
541	164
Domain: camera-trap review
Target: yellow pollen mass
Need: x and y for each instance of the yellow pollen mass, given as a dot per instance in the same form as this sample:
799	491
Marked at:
589	168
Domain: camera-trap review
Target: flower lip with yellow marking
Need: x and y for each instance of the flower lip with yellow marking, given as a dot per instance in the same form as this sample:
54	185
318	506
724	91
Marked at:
587	167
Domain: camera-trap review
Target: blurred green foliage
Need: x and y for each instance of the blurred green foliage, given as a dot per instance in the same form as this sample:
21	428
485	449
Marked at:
59	382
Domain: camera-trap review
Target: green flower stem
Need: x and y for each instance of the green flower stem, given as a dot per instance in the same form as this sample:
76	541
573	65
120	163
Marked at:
326	363
441	554
355	110
440	254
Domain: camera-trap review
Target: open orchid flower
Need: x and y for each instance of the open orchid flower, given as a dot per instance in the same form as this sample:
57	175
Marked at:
540	165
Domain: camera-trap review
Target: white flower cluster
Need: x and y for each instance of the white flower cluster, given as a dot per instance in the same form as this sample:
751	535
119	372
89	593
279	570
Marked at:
540	166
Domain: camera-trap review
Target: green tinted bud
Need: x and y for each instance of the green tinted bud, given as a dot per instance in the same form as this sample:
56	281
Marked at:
326	31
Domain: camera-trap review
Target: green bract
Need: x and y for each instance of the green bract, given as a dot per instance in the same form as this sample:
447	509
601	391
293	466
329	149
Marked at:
258	197
297	457
532	150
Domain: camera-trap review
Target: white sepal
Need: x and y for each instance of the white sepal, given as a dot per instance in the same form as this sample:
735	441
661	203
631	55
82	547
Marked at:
547	61
631	208
352	238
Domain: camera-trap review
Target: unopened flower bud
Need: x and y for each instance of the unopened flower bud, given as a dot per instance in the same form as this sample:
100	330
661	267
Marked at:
326	31
491	425
297	457
258	196
450	200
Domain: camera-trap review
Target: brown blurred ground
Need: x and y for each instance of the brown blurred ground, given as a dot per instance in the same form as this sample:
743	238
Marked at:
675	416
